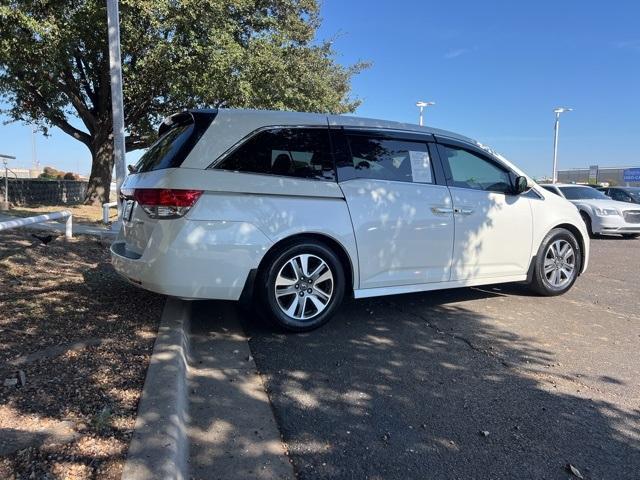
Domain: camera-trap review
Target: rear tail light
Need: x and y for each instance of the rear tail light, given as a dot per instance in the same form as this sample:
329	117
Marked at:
164	202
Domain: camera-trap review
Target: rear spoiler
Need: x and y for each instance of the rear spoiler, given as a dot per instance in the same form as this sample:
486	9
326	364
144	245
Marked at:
186	117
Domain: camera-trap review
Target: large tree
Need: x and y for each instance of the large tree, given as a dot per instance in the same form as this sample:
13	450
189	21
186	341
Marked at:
54	68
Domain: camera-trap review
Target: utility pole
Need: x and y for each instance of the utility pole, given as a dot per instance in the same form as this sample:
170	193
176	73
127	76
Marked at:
5	160
117	107
556	128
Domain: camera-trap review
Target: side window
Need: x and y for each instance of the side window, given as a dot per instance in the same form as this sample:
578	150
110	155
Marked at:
469	170
389	159
619	195
291	152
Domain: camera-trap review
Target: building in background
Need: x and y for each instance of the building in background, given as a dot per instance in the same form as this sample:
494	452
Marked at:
623	176
24	172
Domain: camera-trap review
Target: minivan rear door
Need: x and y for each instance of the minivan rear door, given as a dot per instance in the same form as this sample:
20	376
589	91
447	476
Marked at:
177	135
402	217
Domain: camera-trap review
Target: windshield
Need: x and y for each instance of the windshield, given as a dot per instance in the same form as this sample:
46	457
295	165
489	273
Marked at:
583	193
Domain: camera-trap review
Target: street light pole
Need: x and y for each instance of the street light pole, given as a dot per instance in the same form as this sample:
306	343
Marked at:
117	107
34	153
421	105
556	128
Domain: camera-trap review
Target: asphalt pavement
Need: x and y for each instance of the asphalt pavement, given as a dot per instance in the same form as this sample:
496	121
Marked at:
476	383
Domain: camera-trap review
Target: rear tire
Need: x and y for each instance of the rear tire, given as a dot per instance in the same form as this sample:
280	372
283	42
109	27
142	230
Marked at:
301	286
558	263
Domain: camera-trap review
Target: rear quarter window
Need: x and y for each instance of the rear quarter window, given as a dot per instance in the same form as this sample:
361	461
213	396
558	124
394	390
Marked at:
289	152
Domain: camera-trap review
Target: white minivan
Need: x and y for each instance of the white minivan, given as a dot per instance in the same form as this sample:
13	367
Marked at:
293	211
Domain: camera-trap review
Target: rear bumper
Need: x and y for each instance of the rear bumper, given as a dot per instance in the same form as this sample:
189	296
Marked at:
202	260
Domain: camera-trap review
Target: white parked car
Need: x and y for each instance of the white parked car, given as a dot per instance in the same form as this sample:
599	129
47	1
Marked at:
294	211
601	214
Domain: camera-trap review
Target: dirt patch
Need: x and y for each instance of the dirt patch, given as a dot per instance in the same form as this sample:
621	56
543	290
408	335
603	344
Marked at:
85	214
75	342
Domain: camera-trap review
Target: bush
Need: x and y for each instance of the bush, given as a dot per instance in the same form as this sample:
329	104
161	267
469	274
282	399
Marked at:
51	173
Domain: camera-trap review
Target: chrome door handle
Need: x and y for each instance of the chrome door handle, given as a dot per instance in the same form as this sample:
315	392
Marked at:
463	211
441	210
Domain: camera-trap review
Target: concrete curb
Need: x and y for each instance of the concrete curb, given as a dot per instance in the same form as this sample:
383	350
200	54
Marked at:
159	447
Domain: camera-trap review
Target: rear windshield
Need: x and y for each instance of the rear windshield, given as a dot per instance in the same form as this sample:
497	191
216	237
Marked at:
583	193
163	153
175	142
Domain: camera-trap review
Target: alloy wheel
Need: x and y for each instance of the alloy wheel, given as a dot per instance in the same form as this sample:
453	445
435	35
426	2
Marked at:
304	286
559	264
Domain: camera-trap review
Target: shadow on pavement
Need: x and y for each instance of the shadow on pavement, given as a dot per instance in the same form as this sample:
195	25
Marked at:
388	390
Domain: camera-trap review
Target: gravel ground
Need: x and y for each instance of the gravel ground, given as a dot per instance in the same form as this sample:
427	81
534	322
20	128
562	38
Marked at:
82	337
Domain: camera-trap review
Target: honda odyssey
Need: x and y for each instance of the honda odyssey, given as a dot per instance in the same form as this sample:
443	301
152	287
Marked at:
295	211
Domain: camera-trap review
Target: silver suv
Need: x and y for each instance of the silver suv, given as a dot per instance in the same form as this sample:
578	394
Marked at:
294	211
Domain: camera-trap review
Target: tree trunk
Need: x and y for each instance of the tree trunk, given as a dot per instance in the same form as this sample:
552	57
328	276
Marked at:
101	170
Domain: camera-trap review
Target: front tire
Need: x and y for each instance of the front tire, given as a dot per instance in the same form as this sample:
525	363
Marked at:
630	235
558	263
587	221
302	286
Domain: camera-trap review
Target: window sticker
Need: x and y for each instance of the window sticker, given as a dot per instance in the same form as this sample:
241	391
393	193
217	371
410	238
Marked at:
420	167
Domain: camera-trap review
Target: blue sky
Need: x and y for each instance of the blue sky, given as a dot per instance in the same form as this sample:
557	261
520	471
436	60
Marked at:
496	70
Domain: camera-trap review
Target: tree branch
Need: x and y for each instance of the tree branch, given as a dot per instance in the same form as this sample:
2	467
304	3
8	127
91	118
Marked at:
69	86
83	77
56	118
68	129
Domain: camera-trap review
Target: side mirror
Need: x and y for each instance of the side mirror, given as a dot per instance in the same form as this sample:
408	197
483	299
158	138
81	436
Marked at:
521	185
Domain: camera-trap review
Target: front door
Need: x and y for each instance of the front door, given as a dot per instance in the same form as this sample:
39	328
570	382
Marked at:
403	220
493	227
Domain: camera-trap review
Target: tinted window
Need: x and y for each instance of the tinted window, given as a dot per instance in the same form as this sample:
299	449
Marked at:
619	195
472	171
582	193
634	192
164	153
389	159
178	134
292	152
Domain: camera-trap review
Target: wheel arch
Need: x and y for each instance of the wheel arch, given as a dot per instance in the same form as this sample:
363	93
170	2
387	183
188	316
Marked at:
336	246
581	241
584	210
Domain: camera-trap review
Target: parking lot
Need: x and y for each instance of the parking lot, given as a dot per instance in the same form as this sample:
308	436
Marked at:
468	383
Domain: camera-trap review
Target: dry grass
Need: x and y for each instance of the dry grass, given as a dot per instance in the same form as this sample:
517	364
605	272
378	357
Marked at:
52	297
87	214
